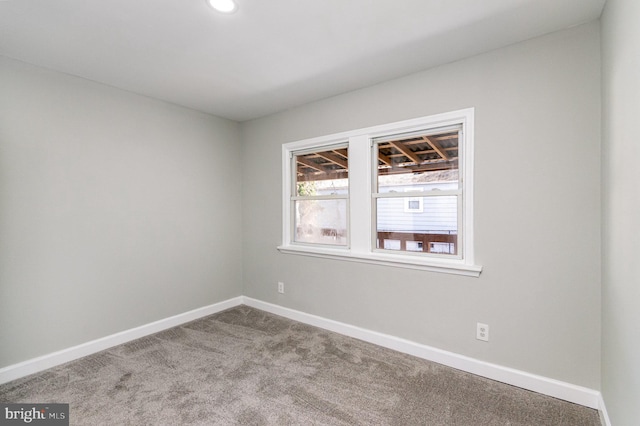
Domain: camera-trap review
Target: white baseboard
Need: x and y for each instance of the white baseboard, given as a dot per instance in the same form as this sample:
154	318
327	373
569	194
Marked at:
604	416
555	388
544	385
44	362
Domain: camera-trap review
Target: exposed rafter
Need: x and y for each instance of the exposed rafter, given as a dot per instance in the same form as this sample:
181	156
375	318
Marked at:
342	152
406	151
386	160
337	174
436	147
431	167
408	155
334	159
310	164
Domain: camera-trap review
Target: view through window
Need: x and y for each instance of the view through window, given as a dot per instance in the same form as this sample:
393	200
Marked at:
418	192
321	196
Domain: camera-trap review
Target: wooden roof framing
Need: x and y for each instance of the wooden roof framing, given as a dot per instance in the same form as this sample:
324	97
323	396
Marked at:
323	165
413	154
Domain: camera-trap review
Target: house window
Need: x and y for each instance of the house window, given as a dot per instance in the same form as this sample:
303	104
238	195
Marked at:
413	204
398	194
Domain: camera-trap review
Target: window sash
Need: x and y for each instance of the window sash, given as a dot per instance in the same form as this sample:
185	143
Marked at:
460	235
294	225
376	245
294	197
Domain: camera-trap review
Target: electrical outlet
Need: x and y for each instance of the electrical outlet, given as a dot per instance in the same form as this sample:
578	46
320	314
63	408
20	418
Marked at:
281	287
482	332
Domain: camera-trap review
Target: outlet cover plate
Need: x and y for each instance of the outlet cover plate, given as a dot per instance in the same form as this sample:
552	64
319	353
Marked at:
482	332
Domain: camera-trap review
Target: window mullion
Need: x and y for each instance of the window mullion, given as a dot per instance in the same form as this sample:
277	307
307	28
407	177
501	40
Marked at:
360	193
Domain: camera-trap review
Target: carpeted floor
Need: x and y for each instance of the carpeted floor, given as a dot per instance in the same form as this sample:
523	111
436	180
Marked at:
247	367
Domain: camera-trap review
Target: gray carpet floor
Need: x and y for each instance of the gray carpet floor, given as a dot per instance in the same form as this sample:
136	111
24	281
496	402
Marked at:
247	367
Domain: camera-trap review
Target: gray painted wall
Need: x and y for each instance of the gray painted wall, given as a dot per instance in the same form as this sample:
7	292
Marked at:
621	211
115	211
537	157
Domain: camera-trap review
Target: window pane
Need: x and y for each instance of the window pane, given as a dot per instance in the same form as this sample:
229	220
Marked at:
431	229
322	172
417	161
321	221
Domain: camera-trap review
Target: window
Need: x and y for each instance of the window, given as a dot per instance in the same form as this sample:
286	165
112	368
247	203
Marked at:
418	192
413	205
398	194
320	196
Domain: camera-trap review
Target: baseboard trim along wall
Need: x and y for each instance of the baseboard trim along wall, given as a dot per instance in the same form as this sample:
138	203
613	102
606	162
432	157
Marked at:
604	416
555	388
44	362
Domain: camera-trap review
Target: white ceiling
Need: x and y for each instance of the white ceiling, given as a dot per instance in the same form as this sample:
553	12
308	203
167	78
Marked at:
271	54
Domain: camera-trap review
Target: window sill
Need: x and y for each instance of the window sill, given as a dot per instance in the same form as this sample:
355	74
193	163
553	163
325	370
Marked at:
386	259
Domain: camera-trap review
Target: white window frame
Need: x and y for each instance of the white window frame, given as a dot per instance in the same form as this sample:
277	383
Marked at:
418	194
361	200
294	197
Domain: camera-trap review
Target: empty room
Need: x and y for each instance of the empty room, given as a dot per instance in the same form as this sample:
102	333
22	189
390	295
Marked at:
239	212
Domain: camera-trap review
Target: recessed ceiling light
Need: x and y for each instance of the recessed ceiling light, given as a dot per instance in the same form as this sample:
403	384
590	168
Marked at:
224	6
